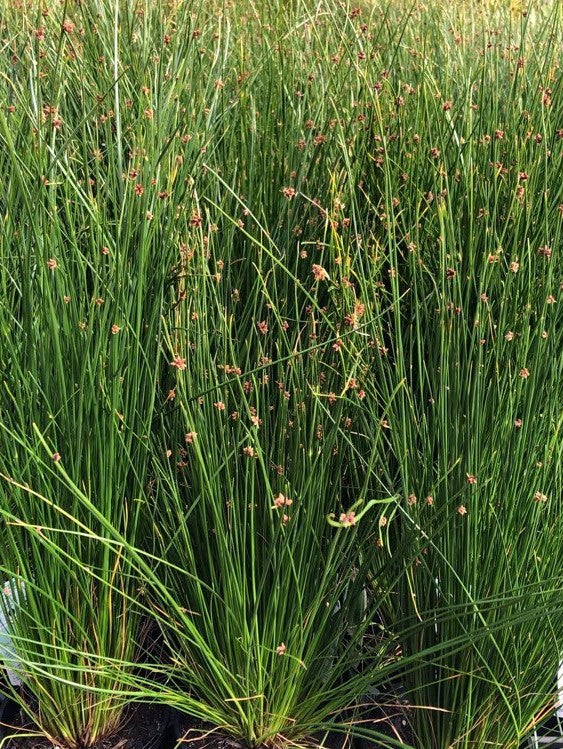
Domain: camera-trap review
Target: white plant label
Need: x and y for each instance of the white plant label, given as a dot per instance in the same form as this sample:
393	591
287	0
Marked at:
8	656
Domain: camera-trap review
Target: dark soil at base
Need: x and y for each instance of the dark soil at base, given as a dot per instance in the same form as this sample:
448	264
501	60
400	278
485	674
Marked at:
144	727
386	721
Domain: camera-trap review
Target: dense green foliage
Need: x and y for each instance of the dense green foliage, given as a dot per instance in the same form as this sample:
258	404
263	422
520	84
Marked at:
281	350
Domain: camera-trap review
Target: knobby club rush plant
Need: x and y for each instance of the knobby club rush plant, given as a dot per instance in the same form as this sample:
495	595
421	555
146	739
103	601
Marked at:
281	356
85	279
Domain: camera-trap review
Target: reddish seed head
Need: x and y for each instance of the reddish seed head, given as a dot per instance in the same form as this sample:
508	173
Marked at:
319	273
115	329
348	519
289	192
52	263
517	423
462	510
471	479
281	649
539	497
190	437
524	373
282	501
55	457
178	362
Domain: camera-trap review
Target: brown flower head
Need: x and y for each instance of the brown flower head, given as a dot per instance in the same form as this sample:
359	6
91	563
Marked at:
319	273
282	501
348	519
